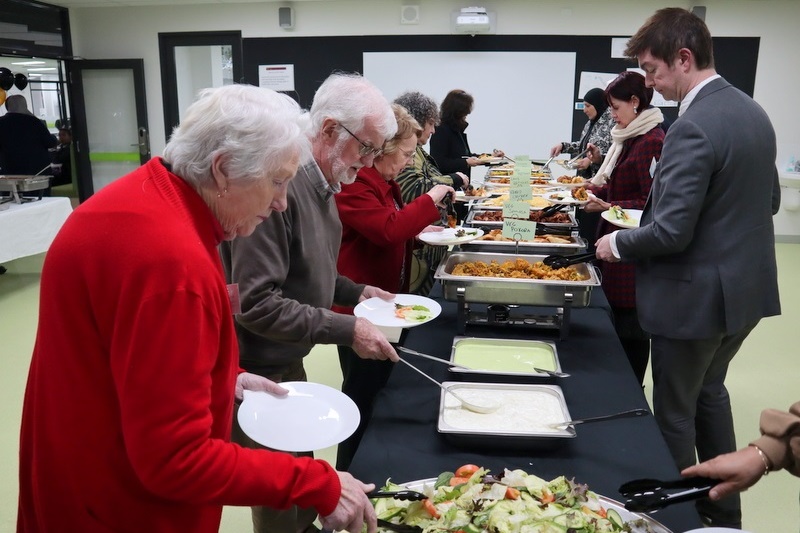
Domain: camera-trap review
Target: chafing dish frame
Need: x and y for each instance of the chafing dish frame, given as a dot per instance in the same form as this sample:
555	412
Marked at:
563	295
17	184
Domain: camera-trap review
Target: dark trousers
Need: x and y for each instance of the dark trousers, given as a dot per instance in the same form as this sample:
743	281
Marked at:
693	409
362	379
635	341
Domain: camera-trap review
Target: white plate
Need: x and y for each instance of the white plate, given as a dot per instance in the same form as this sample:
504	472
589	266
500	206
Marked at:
564	197
447	236
635	215
381	313
652	525
311	417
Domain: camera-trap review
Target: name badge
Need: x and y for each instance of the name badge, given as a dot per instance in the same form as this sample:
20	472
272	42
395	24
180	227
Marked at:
233	298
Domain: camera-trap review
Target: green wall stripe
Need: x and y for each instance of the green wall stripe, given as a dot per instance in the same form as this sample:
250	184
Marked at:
102	157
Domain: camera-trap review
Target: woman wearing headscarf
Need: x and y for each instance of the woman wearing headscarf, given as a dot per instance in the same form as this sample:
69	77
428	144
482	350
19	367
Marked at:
126	422
418	178
378	231
624	179
596	131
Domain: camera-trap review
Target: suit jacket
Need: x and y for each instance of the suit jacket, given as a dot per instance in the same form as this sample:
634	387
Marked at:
706	245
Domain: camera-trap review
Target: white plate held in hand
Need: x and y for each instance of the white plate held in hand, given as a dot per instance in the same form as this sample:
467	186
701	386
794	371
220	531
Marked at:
311	417
447	236
382	313
634	214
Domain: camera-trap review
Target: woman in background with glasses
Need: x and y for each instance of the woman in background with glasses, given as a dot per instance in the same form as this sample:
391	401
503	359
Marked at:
378	231
420	176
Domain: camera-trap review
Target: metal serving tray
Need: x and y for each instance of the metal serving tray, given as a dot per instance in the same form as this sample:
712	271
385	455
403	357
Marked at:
465	428
578	245
503	360
11	183
537	292
470	220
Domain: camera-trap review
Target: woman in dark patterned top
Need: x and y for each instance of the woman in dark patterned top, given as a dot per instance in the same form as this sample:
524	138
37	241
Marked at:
418	178
596	131
624	179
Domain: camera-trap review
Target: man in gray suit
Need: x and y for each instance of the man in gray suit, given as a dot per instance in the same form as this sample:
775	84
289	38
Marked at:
705	249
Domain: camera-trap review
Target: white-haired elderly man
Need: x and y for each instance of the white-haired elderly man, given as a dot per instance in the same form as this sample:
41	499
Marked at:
286	271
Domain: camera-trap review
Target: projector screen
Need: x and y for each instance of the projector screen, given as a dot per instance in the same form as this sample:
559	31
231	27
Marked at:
523	100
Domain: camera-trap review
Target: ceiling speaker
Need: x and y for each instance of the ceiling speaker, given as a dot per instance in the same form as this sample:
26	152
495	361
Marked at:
409	14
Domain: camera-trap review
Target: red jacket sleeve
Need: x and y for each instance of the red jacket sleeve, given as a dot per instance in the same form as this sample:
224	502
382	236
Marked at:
377	219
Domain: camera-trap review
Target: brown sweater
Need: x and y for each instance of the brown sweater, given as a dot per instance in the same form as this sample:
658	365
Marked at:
780	438
286	271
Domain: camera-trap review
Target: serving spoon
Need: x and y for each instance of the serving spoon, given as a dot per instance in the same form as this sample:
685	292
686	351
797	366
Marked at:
482	409
623	414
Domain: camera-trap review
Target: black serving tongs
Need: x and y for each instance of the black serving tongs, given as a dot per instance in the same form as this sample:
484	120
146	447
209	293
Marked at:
552	209
410	495
398	528
561	261
647	495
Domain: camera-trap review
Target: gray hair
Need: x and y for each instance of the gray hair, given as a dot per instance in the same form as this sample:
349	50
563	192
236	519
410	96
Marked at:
255	130
422	108
350	99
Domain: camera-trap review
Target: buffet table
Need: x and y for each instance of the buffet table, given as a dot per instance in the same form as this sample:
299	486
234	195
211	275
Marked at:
29	228
402	442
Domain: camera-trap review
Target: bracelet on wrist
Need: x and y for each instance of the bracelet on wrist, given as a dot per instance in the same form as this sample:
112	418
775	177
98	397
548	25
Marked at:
764	459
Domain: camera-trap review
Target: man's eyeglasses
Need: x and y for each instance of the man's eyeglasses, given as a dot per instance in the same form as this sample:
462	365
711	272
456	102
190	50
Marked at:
366	149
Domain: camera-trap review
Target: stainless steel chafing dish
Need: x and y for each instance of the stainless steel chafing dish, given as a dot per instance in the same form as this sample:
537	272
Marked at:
466	290
16	184
577	245
470	220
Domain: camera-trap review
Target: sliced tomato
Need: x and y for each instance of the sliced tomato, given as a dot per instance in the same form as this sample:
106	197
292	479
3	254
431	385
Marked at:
467	470
455	481
547	496
512	493
430	508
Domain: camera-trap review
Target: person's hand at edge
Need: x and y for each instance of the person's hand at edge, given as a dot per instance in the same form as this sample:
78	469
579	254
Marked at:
248	381
737	471
370	343
353	509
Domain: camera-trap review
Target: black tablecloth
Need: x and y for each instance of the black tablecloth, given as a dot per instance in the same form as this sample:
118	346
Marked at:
402	443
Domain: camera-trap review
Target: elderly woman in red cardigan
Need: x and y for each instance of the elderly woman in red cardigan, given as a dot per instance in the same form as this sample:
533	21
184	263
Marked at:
624	179
378	233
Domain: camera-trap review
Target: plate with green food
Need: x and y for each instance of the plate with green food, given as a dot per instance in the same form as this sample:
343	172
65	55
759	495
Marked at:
475	500
622	218
405	311
449	236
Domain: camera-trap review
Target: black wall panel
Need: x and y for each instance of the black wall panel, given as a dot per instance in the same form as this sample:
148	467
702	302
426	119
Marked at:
314	58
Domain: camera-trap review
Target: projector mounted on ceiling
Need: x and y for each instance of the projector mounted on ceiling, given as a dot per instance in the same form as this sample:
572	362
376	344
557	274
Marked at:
472	20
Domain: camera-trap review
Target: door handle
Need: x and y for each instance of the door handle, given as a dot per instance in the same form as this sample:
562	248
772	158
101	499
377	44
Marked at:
144	142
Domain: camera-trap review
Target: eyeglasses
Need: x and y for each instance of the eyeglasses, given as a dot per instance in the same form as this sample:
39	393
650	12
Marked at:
365	149
408	155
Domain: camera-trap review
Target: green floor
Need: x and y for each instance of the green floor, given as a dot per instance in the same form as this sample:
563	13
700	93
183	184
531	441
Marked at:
764	374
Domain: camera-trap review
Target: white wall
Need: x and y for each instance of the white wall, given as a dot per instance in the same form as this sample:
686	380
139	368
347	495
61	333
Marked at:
121	32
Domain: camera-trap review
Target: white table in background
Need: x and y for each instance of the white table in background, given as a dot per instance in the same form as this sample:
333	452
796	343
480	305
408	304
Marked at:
29	228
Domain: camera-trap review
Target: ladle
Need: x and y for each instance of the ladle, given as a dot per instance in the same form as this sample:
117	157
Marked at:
482	409
561	261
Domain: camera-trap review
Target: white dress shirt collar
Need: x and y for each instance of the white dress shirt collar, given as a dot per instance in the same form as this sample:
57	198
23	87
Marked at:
687	100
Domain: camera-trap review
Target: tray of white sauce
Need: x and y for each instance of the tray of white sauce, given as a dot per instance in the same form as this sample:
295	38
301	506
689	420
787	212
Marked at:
522	420
503	360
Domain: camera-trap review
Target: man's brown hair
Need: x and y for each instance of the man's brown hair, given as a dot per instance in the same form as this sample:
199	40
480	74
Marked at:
670	29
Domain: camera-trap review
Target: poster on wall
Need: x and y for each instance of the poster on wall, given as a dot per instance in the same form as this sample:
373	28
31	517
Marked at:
276	77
